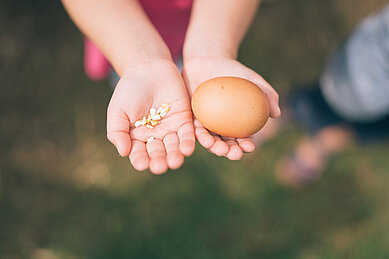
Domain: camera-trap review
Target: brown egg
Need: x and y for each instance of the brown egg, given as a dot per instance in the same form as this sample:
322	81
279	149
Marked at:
230	106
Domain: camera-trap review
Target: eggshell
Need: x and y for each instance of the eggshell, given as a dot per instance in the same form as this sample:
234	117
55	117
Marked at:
230	106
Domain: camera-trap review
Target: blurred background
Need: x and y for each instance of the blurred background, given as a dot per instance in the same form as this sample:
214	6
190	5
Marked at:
65	193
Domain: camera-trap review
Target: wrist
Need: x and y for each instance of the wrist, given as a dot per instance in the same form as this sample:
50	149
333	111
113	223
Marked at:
202	47
134	60
149	65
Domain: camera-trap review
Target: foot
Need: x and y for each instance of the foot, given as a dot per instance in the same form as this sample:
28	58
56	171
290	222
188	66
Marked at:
307	163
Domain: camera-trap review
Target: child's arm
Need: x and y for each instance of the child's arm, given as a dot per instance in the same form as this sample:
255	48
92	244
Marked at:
120	28
149	78
215	32
217	27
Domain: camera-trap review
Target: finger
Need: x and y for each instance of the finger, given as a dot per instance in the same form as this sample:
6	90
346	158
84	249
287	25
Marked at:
118	127
138	155
271	94
246	144
157	154
202	135
174	157
220	148
186	139
235	152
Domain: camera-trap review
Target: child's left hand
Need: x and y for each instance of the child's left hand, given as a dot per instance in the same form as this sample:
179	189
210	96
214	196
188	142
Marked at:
199	69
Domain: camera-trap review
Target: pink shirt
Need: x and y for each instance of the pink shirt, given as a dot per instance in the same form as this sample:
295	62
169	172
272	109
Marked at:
171	18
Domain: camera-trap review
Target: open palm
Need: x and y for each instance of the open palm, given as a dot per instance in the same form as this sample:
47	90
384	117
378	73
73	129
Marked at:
148	85
199	69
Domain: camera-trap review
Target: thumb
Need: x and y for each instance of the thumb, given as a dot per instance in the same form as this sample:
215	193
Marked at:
271	94
118	127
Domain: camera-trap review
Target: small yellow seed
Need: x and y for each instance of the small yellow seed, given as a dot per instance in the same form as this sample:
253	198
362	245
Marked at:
153	111
164	112
155	117
154	123
149	139
159	110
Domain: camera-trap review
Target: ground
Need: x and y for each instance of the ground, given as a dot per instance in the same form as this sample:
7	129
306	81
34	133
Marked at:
65	193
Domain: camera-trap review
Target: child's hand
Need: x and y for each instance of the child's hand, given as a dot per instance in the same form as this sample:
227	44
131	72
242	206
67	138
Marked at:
199	69
146	85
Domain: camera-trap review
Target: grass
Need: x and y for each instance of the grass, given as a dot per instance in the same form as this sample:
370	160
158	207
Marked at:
64	193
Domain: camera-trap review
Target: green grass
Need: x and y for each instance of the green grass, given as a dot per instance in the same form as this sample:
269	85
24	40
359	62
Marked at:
65	193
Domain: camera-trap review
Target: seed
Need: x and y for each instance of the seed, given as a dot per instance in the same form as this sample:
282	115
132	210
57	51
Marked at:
149	139
164	112
155	117
154	123
159	110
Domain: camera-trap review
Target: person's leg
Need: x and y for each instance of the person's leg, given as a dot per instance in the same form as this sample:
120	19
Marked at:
309	159
355	87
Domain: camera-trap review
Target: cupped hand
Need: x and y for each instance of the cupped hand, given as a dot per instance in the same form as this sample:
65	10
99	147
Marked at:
146	85
199	69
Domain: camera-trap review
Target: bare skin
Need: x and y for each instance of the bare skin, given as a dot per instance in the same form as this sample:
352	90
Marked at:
149	78
215	32
174	136
200	69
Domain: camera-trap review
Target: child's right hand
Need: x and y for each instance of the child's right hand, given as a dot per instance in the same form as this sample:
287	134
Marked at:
143	86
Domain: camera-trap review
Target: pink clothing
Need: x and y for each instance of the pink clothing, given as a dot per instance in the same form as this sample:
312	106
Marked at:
96	66
170	18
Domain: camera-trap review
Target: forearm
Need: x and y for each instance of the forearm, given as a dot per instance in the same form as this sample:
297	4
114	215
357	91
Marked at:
217	27
120	29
